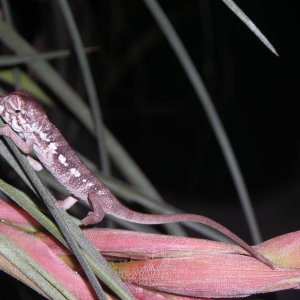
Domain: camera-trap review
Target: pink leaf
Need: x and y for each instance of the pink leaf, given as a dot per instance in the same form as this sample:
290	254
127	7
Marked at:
138	244
208	275
283	250
47	259
15	215
166	267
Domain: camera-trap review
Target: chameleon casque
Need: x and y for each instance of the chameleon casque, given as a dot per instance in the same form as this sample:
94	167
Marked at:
30	129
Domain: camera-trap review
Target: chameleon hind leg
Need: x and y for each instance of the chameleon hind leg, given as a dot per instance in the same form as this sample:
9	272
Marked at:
97	214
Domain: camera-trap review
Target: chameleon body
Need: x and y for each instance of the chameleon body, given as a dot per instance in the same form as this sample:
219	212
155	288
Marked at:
31	130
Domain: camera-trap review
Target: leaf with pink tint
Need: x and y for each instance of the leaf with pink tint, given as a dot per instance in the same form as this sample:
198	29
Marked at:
193	267
208	275
187	266
146	294
54	265
131	244
283	250
158	267
138	244
13	214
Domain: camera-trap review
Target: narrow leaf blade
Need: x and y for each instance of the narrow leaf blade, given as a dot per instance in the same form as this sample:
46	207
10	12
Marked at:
246	20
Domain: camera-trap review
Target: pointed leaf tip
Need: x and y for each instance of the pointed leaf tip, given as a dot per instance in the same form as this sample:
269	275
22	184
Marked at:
245	19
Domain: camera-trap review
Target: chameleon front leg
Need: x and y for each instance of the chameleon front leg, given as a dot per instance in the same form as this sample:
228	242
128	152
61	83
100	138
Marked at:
24	146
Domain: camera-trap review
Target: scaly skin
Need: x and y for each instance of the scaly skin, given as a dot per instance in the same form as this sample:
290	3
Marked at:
31	130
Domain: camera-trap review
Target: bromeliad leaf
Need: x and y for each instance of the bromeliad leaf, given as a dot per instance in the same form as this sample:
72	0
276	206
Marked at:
245	19
26	83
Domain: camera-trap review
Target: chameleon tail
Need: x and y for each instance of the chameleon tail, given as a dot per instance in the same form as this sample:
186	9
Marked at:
127	214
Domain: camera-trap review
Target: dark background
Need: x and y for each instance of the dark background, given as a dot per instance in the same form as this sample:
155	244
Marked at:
150	106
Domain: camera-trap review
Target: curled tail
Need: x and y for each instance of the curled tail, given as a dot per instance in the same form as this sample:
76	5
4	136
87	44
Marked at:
124	213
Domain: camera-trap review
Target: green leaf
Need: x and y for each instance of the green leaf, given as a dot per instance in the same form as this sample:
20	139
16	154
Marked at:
215	121
26	83
13	60
88	82
30	207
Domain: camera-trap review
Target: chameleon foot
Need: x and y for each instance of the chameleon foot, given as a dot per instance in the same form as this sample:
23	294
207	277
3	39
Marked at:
93	218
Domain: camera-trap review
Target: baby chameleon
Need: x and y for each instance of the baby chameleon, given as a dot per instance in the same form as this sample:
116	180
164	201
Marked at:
30	129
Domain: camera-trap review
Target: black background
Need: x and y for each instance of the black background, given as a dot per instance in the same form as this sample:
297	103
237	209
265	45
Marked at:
150	106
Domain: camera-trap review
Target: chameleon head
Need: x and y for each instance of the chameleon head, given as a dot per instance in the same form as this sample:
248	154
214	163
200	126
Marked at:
20	111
